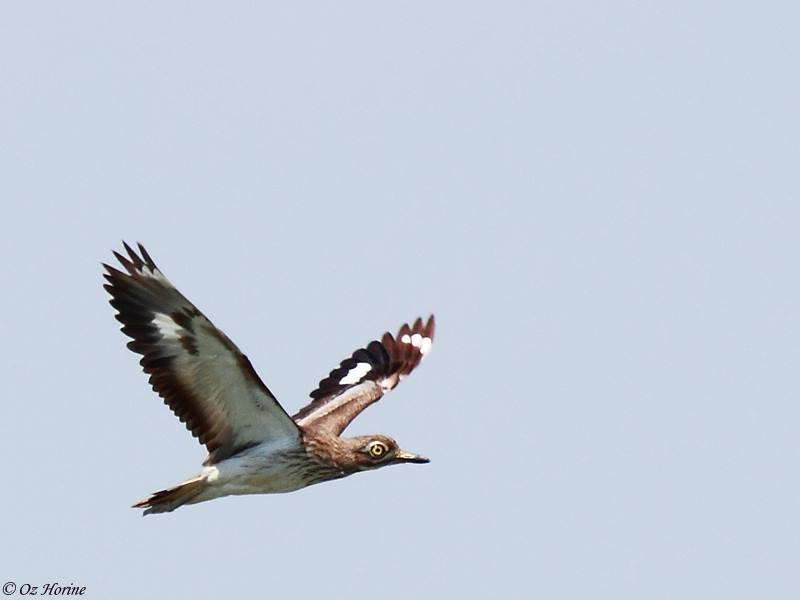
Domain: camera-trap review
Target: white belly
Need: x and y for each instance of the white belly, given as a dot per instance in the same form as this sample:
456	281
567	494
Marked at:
259	470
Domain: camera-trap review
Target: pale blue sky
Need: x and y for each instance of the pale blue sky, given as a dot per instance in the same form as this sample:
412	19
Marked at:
599	201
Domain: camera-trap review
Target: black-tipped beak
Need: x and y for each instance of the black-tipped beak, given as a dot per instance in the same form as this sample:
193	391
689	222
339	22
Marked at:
408	457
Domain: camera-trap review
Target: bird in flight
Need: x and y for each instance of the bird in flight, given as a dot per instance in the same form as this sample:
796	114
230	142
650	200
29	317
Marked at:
254	446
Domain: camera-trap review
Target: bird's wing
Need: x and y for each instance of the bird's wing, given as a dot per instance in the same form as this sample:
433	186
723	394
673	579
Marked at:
364	377
200	373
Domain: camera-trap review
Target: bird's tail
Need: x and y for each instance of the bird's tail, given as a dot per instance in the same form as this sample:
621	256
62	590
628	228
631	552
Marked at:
171	498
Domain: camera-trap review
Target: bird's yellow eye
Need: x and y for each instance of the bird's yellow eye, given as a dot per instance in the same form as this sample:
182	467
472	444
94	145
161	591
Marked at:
377	449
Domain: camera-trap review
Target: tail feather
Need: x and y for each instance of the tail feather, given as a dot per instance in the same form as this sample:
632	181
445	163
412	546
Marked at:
171	498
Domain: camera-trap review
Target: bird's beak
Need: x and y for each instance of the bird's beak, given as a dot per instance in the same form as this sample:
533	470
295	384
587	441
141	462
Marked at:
408	457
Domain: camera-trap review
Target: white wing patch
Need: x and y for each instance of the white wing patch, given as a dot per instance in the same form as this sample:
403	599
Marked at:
426	346
356	373
167	327
418	341
366	375
201	374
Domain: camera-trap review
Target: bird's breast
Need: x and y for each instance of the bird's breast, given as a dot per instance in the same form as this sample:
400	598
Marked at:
268	470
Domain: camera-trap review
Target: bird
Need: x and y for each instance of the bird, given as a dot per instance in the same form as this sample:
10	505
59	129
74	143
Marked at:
254	446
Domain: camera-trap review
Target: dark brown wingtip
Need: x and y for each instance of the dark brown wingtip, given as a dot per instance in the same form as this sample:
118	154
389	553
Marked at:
134	261
147	259
127	264
389	359
430	326
111	272
135	258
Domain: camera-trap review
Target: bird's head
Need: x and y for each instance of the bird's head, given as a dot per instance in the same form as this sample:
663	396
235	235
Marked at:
374	451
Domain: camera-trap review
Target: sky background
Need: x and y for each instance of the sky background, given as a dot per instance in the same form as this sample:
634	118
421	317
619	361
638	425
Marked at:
599	202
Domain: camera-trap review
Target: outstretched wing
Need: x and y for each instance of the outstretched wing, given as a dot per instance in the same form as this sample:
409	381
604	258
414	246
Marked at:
200	373
364	377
